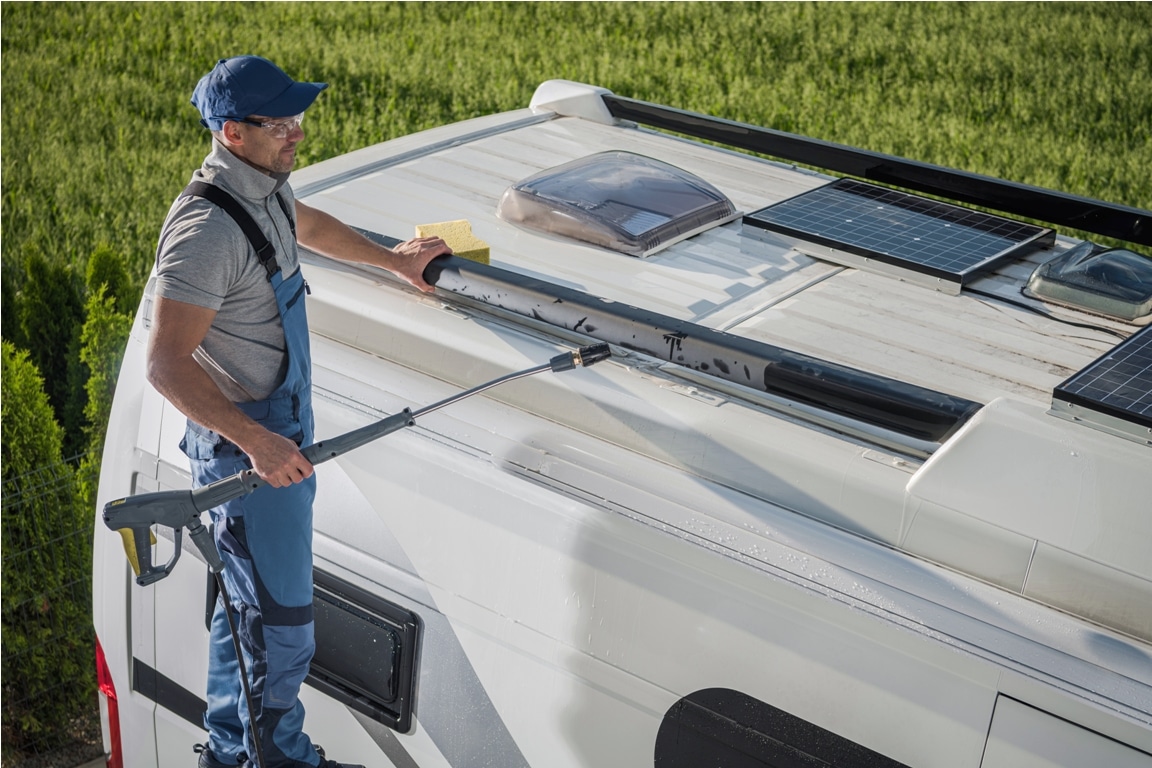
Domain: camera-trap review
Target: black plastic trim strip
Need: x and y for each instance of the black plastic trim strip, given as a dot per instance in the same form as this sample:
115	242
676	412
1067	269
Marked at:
167	693
903	408
1096	216
720	726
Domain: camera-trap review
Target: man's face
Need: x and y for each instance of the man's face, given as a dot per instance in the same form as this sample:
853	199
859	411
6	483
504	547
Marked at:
272	148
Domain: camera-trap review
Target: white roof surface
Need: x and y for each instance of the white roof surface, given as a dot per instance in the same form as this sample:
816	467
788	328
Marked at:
1051	509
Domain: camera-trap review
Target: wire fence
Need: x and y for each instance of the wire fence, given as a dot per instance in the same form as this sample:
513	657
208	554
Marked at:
51	716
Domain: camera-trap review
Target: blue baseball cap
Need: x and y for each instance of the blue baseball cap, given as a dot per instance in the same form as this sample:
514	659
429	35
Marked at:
250	85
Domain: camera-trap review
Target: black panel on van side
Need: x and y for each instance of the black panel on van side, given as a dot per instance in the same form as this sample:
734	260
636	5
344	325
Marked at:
728	729
366	649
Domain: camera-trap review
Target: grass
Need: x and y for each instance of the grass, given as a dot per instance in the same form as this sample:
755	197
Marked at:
98	134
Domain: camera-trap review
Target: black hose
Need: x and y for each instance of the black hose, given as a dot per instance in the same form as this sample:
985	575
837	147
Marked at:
243	670
1049	315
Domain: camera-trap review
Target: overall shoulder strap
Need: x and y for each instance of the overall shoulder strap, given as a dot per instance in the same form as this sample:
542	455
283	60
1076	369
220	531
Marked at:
288	214
265	251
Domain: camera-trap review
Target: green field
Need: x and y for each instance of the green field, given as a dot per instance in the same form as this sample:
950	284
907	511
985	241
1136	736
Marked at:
99	136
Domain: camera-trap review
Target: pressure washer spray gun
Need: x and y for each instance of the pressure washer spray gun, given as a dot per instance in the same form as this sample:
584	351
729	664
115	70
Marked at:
134	516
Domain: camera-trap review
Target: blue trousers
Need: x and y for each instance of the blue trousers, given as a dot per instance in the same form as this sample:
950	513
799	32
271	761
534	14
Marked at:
265	539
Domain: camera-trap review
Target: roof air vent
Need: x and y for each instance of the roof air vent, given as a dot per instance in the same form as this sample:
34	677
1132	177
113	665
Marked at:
1114	282
619	200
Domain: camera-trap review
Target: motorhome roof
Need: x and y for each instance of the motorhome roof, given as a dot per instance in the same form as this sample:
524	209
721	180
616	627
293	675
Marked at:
1040	505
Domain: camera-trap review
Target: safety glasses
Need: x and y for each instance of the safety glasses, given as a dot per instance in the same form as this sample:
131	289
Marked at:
279	128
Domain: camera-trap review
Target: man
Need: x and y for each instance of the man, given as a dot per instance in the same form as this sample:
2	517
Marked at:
229	348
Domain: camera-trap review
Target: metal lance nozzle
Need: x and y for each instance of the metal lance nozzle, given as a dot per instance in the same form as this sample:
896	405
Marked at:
134	516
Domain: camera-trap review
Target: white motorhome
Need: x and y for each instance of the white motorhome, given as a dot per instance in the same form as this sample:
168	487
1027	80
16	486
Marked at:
866	482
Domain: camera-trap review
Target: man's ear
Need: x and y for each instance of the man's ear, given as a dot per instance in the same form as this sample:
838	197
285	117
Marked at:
231	133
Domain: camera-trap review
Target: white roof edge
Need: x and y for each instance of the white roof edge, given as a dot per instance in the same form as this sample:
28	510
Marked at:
568	98
310	179
1067	522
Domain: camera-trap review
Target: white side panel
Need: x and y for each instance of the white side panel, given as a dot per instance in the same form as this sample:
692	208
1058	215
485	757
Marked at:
123	614
181	648
577	620
175	737
1024	737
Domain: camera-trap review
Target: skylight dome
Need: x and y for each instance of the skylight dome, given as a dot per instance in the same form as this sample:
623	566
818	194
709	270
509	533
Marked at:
1114	282
619	200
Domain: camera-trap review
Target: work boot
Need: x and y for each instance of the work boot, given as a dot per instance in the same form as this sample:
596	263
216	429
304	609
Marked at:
208	758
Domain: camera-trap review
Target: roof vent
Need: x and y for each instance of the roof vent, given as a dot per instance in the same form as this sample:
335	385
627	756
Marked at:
620	200
1113	282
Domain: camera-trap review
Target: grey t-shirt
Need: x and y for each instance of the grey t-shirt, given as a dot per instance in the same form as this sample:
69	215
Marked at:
203	258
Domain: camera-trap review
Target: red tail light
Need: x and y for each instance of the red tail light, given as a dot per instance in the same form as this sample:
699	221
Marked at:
111	709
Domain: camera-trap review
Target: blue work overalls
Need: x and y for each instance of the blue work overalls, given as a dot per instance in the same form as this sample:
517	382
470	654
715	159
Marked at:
265	539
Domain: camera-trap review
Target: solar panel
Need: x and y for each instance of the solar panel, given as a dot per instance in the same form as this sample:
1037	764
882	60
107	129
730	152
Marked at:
936	244
1115	391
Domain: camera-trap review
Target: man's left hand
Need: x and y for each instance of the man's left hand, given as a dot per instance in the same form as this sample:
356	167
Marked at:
413	257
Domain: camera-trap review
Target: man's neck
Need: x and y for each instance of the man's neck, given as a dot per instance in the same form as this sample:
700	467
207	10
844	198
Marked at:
245	160
279	177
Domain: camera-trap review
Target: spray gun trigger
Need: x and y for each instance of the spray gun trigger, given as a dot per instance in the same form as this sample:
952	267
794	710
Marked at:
127	538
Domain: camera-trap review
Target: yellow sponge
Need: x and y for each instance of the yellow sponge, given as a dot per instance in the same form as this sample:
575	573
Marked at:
458	235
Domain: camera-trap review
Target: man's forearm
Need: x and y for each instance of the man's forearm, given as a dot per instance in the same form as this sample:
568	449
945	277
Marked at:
189	387
325	234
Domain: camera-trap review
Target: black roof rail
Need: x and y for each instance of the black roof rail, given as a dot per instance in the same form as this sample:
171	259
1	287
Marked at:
923	417
918	414
1108	219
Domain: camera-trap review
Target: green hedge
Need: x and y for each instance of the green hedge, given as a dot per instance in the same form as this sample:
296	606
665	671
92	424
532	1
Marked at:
45	602
48	667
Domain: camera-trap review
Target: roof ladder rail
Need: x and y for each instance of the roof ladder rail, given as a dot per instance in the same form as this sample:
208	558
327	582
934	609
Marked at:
1108	219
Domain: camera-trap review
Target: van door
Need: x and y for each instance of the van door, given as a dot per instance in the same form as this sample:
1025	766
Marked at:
177	675
1022	736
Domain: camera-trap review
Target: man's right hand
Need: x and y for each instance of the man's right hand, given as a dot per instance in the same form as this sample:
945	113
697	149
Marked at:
277	459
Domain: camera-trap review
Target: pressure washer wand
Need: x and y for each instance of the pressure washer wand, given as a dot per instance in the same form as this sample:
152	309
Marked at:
134	516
